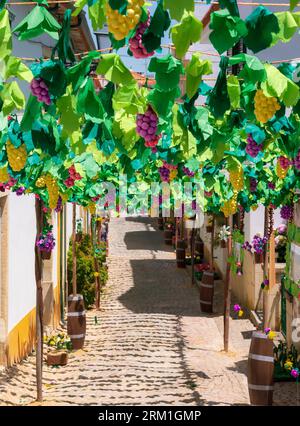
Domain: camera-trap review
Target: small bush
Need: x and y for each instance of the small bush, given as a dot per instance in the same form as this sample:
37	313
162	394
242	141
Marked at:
86	270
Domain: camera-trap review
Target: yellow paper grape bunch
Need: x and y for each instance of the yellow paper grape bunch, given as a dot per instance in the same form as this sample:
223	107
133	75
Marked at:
230	207
282	167
120	25
173	174
92	208
16	156
236	178
264	106
53	190
4	176
41	182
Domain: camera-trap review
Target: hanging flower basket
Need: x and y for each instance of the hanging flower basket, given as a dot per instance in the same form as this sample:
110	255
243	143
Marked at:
78	237
208	229
46	242
223	243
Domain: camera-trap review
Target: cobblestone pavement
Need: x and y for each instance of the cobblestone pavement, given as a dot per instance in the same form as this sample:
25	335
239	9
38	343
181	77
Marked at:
151	345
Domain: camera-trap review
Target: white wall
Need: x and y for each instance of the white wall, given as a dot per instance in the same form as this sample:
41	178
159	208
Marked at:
21	273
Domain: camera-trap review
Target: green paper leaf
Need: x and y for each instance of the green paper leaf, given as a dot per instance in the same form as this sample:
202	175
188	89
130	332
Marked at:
253	70
234	91
168	70
293	4
160	22
280	86
111	66
288	24
31	113
263	22
178	7
68	117
88	102
194	70
97	14
36	23
16	68
5	34
227	30
187	32
63	46
77	74
12	97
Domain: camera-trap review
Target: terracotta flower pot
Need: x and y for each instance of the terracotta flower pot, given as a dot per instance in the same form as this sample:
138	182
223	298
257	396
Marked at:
57	358
258	257
208	228
223	244
46	255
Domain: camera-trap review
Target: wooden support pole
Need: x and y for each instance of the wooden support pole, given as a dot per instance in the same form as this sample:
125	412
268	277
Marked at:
74	259
265	269
193	254
39	302
212	249
96	265
227	289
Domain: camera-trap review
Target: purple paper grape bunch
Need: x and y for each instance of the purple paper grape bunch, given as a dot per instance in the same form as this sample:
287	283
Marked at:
252	148
253	184
20	191
147	124
39	89
284	162
59	206
136	44
296	161
187	171
164	173
258	243
286	212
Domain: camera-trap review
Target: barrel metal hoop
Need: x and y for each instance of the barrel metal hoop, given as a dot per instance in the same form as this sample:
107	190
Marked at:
259	335
76	314
78	297
260	387
206	285
76	336
261	357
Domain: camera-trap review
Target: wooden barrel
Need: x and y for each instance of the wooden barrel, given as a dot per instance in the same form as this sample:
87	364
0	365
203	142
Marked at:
168	234
207	291
199	247
76	320
260	369
180	254
160	222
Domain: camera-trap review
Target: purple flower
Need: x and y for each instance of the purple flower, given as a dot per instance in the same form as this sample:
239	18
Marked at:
267	330
236	308
20	191
295	373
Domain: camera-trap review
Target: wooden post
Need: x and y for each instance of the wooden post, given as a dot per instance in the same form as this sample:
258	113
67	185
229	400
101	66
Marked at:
227	290
211	261
74	259
96	265
265	270
193	254
39	302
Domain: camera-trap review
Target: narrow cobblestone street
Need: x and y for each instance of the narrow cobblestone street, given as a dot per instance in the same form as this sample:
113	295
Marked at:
151	344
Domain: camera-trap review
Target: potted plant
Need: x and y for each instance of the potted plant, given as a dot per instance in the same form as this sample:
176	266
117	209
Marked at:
280	243
256	247
58	347
46	242
223	235
78	230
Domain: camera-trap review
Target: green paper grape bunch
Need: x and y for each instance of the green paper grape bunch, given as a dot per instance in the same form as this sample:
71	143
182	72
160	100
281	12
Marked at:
264	107
136	44
120	25
4	176
17	157
53	190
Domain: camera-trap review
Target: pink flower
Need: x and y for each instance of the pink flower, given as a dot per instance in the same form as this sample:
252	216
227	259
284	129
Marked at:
236	308
295	373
